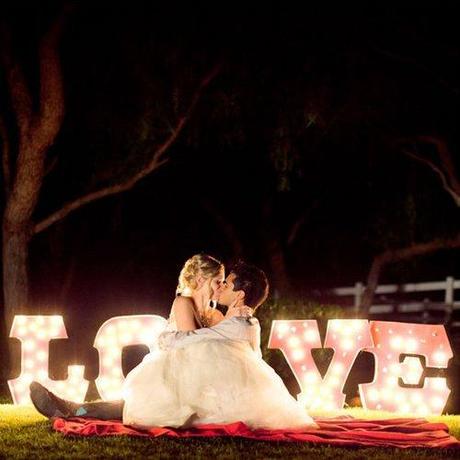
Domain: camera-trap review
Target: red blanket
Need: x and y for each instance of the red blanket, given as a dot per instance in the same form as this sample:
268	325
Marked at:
339	431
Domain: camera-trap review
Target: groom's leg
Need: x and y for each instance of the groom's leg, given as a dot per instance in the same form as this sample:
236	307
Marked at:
104	410
50	405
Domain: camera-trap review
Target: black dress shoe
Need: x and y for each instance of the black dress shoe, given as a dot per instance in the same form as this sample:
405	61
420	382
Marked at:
48	404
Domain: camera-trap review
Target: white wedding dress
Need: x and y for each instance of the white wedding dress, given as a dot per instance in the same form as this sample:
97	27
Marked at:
210	381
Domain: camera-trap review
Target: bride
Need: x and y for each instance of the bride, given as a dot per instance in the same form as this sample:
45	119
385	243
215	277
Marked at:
215	374
209	368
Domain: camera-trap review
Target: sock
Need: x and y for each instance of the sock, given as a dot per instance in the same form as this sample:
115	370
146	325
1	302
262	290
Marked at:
81	411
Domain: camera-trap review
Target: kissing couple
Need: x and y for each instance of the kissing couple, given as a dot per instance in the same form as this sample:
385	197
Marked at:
209	366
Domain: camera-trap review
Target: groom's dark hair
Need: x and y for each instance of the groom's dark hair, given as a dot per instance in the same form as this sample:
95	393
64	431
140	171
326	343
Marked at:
252	281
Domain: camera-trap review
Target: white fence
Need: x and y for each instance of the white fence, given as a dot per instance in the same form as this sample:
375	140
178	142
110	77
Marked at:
448	286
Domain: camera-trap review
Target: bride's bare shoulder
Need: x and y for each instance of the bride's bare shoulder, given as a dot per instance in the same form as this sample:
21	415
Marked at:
182	303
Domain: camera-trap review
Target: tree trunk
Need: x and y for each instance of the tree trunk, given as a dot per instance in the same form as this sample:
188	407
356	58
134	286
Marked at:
277	262
15	275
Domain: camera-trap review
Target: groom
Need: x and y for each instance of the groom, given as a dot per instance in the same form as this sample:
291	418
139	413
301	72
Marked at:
245	286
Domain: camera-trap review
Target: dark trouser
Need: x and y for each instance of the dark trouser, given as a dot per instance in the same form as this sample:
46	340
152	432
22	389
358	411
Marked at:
104	410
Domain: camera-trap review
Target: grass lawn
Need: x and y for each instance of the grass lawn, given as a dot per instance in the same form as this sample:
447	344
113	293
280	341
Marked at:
26	434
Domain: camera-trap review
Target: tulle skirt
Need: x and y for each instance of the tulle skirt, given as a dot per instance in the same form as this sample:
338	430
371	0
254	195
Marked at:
212	381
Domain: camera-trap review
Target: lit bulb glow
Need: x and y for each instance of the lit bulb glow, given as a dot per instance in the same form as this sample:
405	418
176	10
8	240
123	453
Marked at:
426	340
296	339
35	333
115	334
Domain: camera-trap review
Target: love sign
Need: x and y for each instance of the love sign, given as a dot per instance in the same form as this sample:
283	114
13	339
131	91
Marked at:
398	350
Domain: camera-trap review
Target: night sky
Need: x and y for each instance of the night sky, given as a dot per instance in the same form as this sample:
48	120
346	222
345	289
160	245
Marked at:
303	123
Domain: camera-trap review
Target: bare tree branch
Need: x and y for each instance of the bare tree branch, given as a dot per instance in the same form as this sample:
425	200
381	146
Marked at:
156	161
446	172
5	157
397	255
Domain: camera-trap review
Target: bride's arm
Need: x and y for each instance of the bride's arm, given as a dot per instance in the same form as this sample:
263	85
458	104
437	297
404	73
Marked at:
238	328
182	309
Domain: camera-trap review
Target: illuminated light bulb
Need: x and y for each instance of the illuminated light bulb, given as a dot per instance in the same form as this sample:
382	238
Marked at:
416	398
27	378
329	406
410	331
411	345
108	361
333	381
400	397
310	335
41	334
437	403
406	408
389	356
282	328
42	355
305	324
293	329
22	331
324	391
378	406
392	381
387	394
337	368
347	344
385	370
390	331
373	395
298	354
395	368
28	364
21	386
303	368
29	345
336	325
126	337
21	319
438	383
42	374
33	326
439	357
396	342
294	342
422	409
310	377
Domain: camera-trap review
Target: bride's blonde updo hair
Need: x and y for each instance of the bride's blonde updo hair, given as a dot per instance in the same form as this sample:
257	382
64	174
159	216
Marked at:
199	264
